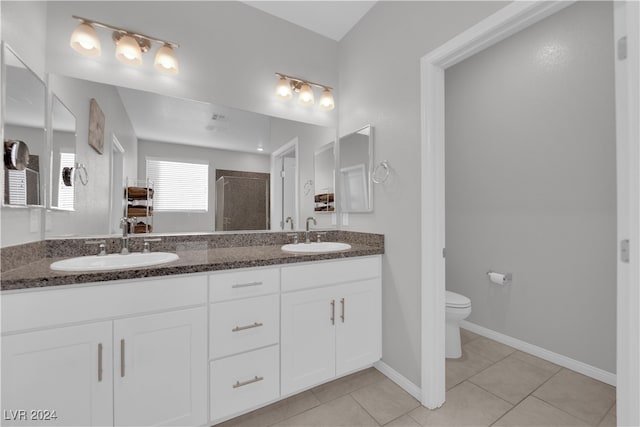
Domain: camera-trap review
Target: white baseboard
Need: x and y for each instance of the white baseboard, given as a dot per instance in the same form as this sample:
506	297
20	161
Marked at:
399	379
558	359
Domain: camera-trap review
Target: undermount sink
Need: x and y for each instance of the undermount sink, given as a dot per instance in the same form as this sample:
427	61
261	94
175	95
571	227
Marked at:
316	247
113	261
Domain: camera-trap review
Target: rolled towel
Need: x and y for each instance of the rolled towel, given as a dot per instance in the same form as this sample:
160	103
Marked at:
138	211
326	197
141	227
139	193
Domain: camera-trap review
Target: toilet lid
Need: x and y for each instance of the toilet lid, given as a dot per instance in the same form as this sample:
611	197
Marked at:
456	300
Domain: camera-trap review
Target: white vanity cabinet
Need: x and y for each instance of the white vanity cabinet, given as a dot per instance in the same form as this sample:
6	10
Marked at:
331	320
129	353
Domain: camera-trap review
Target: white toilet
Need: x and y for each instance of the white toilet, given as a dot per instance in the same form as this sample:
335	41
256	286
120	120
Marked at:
458	307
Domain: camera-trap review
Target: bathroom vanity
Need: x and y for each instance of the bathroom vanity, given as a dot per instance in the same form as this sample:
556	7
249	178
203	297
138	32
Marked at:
187	349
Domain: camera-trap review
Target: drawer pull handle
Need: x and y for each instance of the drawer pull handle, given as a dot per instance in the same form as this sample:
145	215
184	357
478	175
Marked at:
251	381
333	312
342	315
243	328
246	285
99	362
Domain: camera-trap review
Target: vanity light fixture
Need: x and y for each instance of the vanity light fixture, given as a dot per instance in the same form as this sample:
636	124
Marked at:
129	45
288	84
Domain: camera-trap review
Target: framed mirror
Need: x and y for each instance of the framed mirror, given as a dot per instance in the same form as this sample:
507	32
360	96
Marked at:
63	156
324	179
23	121
356	158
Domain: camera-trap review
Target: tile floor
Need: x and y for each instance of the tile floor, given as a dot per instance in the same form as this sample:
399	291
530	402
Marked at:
491	385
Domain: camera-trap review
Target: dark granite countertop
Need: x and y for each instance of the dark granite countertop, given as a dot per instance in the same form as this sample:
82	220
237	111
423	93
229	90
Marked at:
37	274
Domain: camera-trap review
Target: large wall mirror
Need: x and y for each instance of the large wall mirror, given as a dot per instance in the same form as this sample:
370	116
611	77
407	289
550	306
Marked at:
24	98
63	156
170	134
356	157
324	179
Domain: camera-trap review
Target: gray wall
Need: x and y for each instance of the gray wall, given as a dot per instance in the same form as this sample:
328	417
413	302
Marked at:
530	184
380	84
167	222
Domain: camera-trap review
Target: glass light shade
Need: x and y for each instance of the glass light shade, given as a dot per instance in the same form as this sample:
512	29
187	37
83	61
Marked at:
305	97
166	61
283	89
128	50
84	40
326	100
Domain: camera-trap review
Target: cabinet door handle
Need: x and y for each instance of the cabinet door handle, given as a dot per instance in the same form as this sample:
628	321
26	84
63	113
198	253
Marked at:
342	314
99	362
333	312
122	358
246	285
243	328
251	381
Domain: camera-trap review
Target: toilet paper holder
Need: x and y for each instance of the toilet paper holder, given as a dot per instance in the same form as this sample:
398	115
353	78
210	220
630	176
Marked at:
506	277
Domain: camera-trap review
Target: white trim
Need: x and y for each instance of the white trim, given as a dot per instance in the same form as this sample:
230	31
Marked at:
399	379
507	21
289	146
558	359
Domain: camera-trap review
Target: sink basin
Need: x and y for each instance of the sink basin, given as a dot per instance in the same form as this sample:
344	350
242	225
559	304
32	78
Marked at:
113	261
315	247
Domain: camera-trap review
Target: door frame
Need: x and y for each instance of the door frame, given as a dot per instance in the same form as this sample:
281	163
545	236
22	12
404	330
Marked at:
290	146
512	18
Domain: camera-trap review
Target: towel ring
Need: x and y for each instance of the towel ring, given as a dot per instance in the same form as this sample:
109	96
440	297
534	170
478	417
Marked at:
379	179
82	174
307	187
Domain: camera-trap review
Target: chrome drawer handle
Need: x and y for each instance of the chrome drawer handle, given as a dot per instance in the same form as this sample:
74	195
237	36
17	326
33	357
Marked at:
244	383
243	328
246	285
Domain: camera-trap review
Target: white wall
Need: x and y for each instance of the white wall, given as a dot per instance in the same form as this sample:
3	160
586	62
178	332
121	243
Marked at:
167	222
380	85
228	52
310	138
15	18
92	203
531	184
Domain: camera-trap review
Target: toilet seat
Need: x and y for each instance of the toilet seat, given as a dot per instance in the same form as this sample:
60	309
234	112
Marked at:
454	300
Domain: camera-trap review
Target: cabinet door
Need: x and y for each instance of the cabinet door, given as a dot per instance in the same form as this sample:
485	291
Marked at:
67	370
358	325
161	369
307	338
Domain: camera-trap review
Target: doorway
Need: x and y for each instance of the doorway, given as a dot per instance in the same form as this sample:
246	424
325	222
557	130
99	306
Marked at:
116	210
285	211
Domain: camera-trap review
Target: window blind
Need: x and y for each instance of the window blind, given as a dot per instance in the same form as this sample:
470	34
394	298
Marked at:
179	186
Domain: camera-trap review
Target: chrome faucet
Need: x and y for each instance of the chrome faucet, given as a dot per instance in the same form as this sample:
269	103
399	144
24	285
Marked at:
124	224
306	233
289	220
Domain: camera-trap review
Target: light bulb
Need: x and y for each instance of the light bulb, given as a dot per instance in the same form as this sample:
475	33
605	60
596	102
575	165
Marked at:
128	50
326	100
305	97
84	40
283	89
166	61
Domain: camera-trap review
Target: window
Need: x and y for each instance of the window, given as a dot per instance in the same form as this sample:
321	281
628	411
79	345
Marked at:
179	186
65	193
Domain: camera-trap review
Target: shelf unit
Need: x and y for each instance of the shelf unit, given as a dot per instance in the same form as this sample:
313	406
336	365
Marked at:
138	196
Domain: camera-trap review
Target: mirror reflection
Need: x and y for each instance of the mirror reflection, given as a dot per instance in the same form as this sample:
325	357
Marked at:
324	164
63	156
235	190
24	132
356	156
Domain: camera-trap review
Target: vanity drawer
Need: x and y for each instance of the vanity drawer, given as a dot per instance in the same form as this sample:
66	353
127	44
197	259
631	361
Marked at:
243	382
242	284
297	277
242	325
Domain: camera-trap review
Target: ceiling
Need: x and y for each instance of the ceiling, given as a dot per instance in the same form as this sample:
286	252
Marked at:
332	19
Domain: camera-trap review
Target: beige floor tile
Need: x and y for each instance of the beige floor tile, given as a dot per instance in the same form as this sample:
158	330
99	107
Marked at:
467	336
535	413
581	396
489	349
466	405
343	411
458	370
346	385
403	421
385	400
511	379
540	363
609	420
276	412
